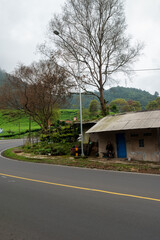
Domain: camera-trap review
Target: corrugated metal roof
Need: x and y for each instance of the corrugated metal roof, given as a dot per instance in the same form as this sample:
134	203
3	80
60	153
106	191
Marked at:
126	121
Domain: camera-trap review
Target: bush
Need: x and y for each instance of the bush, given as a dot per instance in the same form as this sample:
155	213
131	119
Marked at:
61	134
54	149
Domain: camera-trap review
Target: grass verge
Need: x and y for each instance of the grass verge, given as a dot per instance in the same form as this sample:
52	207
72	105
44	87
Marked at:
133	166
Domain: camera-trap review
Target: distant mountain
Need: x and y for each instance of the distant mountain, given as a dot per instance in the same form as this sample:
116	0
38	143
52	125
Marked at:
3	77
115	92
129	94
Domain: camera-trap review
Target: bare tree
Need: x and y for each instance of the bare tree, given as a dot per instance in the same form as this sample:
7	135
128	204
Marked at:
94	31
37	89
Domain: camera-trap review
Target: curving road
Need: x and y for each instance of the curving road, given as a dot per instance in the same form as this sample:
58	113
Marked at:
47	202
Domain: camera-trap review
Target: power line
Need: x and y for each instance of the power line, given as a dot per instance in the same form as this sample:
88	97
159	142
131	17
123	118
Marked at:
145	69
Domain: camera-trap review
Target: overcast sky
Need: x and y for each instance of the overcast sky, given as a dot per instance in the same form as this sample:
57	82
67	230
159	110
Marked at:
23	25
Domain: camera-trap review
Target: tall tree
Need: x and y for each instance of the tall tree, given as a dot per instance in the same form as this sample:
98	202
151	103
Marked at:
37	89
93	31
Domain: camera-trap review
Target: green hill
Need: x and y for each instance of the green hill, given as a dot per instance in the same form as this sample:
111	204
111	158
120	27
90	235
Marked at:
115	92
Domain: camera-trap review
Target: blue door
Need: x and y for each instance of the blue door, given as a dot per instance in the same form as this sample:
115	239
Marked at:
121	145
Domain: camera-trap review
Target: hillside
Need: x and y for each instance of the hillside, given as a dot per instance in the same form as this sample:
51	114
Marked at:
16	124
115	92
3	77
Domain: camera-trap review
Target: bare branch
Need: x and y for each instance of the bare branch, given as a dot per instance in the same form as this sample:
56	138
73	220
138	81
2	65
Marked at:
96	31
37	89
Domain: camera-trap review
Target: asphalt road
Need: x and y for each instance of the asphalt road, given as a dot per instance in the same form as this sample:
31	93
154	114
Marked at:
46	202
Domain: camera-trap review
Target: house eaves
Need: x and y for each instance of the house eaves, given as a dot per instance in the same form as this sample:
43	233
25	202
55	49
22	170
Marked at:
127	121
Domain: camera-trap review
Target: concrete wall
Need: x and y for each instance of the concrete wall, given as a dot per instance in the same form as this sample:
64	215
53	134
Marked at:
149	152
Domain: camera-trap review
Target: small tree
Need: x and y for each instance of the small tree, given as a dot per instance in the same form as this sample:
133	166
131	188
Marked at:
134	105
153	105
94	107
37	89
114	108
122	104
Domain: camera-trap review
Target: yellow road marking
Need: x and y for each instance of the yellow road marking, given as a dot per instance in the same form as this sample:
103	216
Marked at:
82	188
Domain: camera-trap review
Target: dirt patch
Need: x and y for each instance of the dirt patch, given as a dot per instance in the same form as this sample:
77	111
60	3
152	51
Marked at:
38	156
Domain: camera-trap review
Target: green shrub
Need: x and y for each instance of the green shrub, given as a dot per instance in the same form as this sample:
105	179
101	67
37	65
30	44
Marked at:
62	134
54	149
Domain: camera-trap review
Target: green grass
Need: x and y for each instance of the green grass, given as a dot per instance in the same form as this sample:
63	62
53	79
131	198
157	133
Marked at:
16	123
12	121
68	114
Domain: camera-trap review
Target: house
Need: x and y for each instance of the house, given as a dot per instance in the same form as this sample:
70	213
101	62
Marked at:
134	135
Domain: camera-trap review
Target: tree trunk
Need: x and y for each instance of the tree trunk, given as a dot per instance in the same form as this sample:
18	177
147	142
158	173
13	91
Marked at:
103	103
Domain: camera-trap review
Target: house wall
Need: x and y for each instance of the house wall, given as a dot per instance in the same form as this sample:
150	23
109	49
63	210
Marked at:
148	152
134	143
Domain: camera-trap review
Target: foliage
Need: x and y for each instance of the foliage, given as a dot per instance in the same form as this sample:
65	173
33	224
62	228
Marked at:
129	94
134	105
121	105
59	141
114	108
61	133
44	148
54	117
94	106
153	105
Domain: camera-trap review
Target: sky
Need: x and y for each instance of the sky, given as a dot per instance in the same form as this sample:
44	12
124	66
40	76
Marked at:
23	25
